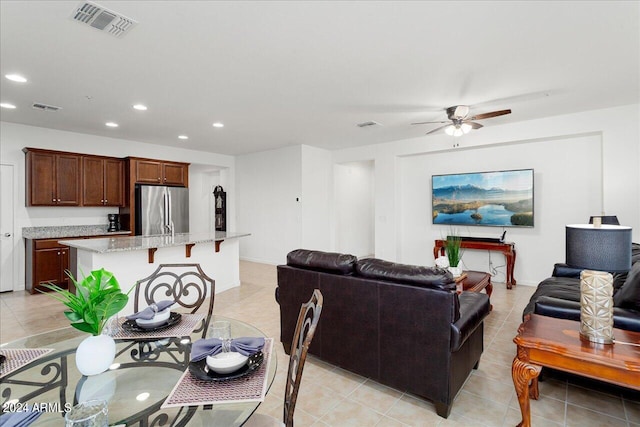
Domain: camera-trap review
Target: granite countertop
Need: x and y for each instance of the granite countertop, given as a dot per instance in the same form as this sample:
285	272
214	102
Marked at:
54	232
134	243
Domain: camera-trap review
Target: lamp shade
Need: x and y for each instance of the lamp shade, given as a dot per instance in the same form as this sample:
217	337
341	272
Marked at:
605	248
606	219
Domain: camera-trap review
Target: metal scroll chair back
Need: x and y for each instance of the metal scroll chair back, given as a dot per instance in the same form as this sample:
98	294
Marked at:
187	284
305	330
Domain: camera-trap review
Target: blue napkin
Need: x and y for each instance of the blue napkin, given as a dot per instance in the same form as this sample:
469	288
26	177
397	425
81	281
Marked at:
149	312
19	419
212	346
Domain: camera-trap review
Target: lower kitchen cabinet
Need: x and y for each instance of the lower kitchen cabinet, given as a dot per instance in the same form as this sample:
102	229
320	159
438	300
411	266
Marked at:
46	262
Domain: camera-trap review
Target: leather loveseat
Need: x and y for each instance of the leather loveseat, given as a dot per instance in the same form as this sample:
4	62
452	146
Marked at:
403	326
559	296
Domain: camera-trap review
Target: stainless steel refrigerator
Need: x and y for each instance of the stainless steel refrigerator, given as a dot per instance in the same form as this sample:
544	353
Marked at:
161	210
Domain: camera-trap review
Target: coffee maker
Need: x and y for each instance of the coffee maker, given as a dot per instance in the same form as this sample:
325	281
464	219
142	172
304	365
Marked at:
114	222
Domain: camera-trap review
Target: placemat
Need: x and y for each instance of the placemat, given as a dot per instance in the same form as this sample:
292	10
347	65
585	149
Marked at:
184	328
190	391
16	358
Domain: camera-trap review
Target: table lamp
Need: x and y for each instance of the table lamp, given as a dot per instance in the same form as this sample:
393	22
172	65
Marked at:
600	250
604	219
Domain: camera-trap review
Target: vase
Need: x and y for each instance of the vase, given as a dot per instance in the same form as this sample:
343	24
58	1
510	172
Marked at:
456	271
95	354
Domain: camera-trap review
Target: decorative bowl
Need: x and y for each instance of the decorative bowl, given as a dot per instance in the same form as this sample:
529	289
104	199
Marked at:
158	319
225	363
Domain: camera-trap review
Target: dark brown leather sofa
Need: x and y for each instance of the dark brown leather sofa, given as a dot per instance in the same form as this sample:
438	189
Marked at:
559	295
400	325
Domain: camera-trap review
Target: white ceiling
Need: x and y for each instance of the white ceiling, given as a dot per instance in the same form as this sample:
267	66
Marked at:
284	73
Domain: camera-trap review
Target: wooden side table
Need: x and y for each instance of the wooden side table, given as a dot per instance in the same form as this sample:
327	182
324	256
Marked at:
474	281
555	343
506	248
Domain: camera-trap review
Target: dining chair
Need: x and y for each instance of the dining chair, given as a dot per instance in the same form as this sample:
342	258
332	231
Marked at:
305	329
187	284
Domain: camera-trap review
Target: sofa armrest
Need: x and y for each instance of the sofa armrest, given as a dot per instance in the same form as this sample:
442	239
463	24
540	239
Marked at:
474	307
563	270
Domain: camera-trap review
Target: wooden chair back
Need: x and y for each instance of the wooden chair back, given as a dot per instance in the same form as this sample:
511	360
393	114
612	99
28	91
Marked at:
305	329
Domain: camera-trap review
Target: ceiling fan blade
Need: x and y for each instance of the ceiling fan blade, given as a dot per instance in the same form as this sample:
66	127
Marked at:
436	130
427	123
490	115
474	125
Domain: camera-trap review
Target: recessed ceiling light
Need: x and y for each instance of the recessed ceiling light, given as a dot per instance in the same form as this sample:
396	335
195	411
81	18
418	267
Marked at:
218	125
183	137
16	78
7	105
111	124
140	107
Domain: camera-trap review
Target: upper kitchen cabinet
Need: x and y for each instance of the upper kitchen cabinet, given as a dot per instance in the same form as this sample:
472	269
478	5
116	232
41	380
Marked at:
102	181
148	171
53	178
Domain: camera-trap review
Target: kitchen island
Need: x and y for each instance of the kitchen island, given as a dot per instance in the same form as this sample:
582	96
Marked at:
136	257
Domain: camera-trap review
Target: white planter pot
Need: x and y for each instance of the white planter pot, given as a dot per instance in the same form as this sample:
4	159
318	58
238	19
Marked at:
95	354
456	271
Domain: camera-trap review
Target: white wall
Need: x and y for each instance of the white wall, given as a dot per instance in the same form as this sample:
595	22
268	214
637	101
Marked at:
284	202
561	195
14	137
620	182
316	198
268	184
354	202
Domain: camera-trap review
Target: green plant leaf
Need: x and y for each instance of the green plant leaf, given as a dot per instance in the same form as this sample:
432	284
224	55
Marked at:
98	296
84	327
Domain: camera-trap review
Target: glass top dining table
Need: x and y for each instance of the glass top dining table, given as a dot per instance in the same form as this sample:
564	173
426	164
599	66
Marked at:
143	374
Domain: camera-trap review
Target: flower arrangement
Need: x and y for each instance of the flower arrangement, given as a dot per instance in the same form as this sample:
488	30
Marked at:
97	298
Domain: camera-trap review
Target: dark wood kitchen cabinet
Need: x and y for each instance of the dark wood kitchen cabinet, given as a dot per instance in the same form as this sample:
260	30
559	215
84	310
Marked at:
149	171
47	262
53	178
102	181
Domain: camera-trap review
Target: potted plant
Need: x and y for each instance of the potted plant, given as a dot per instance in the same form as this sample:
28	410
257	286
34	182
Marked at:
452	249
98	297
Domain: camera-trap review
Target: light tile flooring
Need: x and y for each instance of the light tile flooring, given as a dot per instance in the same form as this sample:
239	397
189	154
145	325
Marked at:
330	396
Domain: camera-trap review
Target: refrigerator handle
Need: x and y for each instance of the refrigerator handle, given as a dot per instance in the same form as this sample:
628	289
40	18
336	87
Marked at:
165	202
170	215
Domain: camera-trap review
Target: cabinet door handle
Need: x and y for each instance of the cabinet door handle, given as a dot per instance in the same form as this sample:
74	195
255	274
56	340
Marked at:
58	200
58	252
53	200
105	201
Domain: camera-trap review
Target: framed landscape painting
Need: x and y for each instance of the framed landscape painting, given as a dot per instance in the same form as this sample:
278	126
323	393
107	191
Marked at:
497	198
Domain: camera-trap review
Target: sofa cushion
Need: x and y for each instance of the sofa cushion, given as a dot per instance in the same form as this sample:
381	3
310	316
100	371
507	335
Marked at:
322	261
628	296
432	277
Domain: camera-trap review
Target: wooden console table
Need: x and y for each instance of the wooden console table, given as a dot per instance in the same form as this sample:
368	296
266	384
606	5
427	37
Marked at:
507	248
555	343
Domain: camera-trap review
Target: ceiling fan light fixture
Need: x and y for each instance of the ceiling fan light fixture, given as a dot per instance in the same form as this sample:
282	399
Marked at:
449	130
465	127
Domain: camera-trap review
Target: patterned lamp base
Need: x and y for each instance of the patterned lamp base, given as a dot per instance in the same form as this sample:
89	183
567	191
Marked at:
596	306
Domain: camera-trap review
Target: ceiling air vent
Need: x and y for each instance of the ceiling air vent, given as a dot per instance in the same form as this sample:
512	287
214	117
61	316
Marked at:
102	19
44	107
368	124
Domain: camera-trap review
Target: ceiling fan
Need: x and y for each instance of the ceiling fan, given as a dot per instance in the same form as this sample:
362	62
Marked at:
460	122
